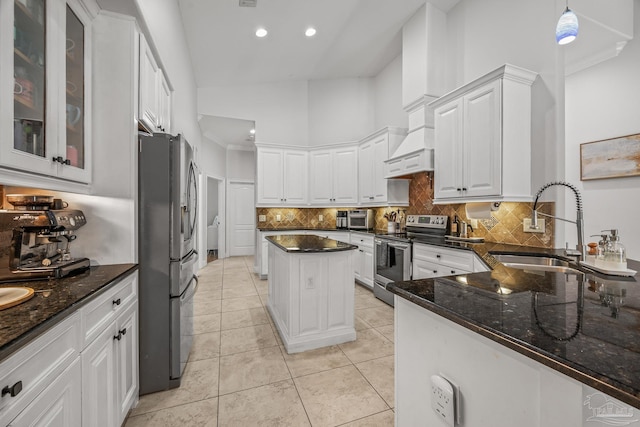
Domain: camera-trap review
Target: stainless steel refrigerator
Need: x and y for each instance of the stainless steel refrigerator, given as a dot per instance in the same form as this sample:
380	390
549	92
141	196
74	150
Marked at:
167	217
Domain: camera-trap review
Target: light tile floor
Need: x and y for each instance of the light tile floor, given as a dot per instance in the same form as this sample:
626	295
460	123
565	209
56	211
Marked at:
239	374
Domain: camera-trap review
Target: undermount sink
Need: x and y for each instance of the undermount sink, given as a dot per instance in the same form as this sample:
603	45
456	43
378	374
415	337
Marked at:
12	296
536	263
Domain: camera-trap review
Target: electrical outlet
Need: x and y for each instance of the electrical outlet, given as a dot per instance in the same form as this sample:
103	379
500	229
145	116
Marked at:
278	217
320	217
526	226
262	218
444	399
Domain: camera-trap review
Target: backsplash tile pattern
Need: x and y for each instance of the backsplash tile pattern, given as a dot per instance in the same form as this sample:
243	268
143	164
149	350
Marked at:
505	226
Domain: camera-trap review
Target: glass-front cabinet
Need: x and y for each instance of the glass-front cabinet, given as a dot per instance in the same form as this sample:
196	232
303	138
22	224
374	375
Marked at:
46	123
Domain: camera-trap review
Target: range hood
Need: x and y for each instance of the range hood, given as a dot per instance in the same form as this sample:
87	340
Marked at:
415	152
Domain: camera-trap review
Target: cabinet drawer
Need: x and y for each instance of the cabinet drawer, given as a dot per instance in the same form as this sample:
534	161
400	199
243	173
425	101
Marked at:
458	260
362	240
102	311
426	269
35	366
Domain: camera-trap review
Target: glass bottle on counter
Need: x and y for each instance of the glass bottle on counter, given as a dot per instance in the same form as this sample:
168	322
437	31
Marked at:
615	257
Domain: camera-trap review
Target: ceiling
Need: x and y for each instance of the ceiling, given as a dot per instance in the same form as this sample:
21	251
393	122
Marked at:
355	38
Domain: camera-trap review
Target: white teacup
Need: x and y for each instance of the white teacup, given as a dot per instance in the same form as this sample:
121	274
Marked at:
17	88
73	114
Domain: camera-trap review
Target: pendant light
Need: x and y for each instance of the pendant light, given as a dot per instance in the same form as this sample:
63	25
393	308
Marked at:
567	28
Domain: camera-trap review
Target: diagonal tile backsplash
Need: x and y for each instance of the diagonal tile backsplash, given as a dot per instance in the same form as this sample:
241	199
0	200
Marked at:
505	226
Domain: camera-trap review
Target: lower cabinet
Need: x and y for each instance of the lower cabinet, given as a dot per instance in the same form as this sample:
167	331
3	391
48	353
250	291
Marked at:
110	372
59	405
363	263
82	371
431	261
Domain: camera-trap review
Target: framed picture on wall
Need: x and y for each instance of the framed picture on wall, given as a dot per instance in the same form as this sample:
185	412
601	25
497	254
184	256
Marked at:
610	158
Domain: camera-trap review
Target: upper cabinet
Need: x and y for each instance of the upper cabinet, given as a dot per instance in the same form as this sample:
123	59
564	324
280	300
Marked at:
281	177
373	188
334	176
483	139
46	124
155	93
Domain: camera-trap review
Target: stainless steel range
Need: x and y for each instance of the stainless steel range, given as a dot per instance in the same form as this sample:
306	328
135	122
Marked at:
393	251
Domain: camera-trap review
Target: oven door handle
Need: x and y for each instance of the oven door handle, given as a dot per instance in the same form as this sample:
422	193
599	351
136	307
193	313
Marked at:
393	245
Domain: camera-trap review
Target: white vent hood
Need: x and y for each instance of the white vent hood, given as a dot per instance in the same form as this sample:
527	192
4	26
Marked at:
415	152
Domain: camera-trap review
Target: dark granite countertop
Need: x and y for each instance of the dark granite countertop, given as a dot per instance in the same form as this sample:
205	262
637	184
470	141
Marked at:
586	326
22	323
305	243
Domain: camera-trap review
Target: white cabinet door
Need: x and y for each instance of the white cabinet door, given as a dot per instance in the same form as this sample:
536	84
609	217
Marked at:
270	175
367	271
295	176
149	72
448	160
334	176
345	175
127	361
99	381
366	172
164	104
321	173
482	152
381	153
425	270
59	405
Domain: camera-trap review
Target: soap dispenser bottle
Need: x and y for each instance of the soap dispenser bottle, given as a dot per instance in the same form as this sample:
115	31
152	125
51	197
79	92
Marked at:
602	248
615	256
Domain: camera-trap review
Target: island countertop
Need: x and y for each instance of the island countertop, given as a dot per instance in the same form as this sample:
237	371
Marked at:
54	300
586	326
307	243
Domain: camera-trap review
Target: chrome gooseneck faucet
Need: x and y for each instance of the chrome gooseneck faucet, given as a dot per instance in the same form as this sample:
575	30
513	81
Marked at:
579	222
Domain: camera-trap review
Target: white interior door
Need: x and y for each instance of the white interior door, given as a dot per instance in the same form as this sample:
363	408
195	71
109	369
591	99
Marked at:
241	218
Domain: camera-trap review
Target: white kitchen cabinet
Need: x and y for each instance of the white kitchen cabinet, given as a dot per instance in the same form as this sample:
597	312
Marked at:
154	109
483	139
32	371
164	104
334	176
46	123
363	262
59	405
373	188
282	177
110	360
431	261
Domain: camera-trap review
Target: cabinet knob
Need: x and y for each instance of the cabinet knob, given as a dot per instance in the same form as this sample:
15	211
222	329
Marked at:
438	256
118	337
123	331
464	188
453	272
459	189
14	390
116	301
435	271
61	160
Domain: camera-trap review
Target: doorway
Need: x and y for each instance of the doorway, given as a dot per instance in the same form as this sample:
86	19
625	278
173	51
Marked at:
242	218
213	219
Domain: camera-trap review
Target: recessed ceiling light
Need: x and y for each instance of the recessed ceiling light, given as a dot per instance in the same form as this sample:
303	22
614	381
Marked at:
252	131
310	32
261	32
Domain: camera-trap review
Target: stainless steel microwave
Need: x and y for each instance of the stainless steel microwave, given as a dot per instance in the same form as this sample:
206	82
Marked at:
361	219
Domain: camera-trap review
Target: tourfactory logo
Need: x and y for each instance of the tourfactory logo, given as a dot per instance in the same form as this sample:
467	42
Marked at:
608	411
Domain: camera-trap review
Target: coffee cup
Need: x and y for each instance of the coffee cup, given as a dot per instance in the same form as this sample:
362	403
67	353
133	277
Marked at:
73	114
17	88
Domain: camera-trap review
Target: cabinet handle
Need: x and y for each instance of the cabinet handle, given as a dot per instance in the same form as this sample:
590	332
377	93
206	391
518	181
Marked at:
459	189
61	160
464	188
14	390
116	301
123	331
438	256
453	272
435	271
118	337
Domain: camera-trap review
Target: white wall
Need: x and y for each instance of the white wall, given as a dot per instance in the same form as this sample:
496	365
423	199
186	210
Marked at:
212	158
241	165
388	97
340	110
280	110
604	102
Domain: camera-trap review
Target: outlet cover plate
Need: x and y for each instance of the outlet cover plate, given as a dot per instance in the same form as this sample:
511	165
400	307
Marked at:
445	400
526	226
262	218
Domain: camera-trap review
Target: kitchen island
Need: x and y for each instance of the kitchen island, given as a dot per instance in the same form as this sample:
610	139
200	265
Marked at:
536	348
311	291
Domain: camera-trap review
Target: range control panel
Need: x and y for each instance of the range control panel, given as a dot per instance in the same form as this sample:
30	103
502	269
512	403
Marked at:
427	221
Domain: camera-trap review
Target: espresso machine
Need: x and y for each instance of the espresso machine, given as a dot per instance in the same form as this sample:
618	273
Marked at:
34	244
